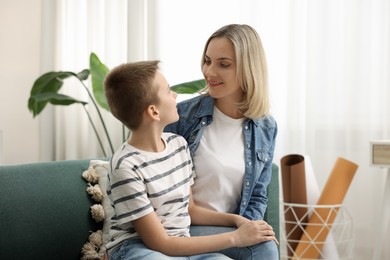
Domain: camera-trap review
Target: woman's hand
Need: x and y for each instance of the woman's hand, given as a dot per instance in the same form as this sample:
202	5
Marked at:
253	232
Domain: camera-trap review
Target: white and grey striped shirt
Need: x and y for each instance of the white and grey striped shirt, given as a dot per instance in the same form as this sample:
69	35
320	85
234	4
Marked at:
141	182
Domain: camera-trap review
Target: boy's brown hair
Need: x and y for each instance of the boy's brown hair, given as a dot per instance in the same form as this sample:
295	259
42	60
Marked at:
129	89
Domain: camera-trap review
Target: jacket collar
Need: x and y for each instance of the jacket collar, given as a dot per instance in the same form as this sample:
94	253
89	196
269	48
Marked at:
206	108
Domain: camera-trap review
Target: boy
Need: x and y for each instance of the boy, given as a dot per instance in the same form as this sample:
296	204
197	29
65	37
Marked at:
151	176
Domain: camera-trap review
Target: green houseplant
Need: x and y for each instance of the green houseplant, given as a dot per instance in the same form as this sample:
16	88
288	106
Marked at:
46	89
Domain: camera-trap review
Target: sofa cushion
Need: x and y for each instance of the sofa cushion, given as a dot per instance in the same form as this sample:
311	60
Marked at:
44	206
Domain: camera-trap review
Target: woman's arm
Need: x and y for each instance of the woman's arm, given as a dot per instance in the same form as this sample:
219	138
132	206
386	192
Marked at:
207	217
258	200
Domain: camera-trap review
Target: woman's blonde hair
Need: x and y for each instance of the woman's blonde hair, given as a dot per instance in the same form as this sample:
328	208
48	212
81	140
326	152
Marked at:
251	66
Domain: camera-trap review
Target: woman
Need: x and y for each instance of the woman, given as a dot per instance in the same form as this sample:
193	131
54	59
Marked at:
150	178
230	133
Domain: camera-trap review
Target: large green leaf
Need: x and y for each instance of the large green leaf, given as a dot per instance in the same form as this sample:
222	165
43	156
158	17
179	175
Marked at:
45	90
53	98
50	82
190	87
98	72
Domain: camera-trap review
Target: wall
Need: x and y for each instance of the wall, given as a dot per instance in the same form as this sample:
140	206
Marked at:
20	23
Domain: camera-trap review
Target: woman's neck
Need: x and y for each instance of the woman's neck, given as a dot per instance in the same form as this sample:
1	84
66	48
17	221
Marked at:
229	109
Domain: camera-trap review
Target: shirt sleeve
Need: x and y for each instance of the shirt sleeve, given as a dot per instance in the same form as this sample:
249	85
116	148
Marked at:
129	196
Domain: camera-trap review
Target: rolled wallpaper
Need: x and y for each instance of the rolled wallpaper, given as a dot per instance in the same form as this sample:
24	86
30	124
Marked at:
294	191
333	193
313	193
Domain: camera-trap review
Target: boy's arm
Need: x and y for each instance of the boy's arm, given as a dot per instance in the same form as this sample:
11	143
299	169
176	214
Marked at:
155	237
207	217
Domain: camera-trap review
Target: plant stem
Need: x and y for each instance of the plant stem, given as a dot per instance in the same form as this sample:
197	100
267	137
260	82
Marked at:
100	116
94	129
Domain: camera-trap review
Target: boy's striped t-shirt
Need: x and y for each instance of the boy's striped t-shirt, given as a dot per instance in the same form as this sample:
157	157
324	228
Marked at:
141	182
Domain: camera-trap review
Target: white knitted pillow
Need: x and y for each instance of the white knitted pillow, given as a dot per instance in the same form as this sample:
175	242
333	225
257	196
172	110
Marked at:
97	173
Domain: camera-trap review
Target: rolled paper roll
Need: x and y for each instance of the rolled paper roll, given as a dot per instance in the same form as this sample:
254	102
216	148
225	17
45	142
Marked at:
317	229
294	191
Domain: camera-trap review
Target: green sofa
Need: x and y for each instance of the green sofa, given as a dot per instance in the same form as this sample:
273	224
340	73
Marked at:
45	210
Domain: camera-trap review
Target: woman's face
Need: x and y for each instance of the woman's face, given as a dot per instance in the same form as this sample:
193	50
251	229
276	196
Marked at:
219	70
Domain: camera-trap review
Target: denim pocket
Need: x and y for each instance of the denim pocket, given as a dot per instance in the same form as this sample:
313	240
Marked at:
263	156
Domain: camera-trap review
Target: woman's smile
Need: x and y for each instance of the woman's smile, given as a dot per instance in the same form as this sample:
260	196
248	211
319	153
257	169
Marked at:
212	84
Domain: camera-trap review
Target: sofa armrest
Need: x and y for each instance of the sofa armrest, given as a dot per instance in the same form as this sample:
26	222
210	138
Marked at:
45	210
272	213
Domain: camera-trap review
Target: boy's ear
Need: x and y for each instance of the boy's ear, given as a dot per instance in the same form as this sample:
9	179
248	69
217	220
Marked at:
153	112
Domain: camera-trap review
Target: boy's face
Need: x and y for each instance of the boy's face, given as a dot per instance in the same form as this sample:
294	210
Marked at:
166	100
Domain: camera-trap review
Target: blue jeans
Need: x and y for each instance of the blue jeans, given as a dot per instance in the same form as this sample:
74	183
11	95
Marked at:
135	249
263	251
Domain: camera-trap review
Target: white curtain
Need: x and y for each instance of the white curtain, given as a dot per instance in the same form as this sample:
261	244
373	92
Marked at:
329	64
72	29
333	98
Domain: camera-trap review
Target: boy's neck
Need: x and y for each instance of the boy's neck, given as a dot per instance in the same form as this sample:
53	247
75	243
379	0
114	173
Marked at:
148	140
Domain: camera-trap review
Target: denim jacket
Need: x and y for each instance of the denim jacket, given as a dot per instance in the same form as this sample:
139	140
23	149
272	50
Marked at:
259	140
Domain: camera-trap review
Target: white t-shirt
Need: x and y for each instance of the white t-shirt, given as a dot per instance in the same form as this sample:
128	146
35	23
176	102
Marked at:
220	164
